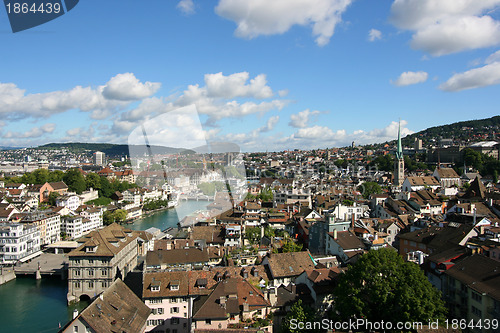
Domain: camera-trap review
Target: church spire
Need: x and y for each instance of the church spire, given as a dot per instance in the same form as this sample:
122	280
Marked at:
399	152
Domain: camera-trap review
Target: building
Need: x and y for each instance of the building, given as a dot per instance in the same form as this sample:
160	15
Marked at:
18	241
232	301
447	177
411	184
103	256
59	187
117	309
285	267
49	225
470	288
399	162
70	201
99	158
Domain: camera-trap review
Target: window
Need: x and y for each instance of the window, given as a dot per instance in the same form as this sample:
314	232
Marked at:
208	321
91	272
476	311
477	297
91	284
160	310
104	272
77	272
104	284
174	310
173	300
75	329
77	284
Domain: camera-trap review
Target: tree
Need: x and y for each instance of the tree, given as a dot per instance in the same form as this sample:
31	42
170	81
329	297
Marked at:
299	312
53	198
252	234
382	286
290	246
75	181
92	180
369	188
384	162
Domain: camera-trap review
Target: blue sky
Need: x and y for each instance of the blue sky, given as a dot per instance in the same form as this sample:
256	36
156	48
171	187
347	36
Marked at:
266	75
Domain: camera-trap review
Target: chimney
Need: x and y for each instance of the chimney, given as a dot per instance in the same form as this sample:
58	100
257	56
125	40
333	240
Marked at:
335	234
222	301
75	313
353	218
246	307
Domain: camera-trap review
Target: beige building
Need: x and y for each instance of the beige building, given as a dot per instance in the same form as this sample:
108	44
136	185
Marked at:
103	256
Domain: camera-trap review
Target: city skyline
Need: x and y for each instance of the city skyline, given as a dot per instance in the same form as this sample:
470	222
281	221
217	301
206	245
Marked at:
265	76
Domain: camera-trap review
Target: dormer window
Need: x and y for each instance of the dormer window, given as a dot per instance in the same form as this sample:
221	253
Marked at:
174	285
201	283
91	249
155	285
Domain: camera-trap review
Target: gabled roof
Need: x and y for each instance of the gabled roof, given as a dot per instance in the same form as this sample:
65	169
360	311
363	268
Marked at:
423	181
476	190
118	309
479	273
347	240
102	240
447	173
229	297
289	264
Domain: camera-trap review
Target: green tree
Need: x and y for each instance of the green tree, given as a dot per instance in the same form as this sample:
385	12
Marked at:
41	176
55	176
53	197
382	286
92	180
384	162
252	234
74	180
369	188
299	312
120	215
106	189
290	246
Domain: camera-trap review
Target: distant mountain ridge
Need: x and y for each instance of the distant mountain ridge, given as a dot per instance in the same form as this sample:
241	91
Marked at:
110	149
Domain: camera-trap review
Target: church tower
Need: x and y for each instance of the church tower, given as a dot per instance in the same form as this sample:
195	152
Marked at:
399	163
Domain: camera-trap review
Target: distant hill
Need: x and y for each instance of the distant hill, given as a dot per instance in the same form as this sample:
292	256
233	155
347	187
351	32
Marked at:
463	131
110	149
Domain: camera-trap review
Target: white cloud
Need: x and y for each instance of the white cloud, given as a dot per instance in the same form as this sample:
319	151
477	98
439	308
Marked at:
263	17
374	35
235	85
101	101
126	87
186	6
302	119
35	132
409	78
447	26
493	58
218	99
271	122
475	78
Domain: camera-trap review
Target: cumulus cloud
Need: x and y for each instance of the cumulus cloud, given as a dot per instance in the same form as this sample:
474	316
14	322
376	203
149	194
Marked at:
409	78
493	58
475	78
101	101
186	6
271	122
35	132
262	17
235	85
447	26
302	119
126	87
218	99
374	35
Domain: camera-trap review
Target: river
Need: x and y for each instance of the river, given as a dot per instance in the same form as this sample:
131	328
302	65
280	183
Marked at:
28	305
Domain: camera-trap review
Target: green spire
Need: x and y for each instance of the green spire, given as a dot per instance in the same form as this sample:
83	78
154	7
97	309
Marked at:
399	152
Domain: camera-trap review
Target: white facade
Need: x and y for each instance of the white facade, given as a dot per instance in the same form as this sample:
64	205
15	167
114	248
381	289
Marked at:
94	215
72	226
169	314
18	241
70	201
